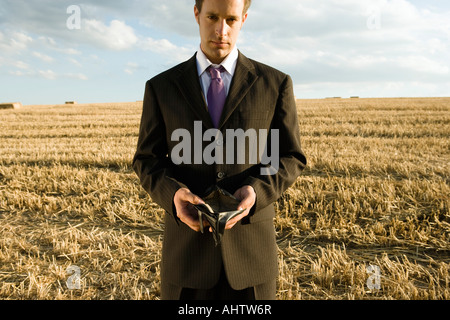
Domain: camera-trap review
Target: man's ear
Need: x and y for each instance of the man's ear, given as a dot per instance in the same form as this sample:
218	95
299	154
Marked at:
197	14
244	18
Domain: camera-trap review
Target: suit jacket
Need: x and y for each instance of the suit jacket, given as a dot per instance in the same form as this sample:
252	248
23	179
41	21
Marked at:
260	97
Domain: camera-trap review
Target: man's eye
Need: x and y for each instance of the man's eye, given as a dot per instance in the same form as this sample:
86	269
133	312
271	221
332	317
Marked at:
212	17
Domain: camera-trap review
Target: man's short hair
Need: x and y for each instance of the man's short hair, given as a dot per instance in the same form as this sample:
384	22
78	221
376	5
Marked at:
247	4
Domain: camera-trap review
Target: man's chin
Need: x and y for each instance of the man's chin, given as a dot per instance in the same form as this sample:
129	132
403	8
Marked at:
218	55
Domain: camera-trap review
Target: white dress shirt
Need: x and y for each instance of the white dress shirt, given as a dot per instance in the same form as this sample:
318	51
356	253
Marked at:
229	65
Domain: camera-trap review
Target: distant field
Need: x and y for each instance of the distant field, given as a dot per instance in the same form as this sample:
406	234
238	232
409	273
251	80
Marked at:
375	193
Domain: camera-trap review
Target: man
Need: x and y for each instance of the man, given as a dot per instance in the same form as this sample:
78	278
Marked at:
258	97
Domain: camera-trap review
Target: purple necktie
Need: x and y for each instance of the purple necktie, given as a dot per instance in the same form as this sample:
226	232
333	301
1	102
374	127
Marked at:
216	95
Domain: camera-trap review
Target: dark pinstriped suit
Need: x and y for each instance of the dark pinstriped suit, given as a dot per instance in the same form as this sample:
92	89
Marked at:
260	97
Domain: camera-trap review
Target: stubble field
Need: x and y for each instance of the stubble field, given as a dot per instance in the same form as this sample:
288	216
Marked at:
375	193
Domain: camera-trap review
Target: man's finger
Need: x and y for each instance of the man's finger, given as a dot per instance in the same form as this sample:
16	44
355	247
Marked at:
184	200
194	199
230	224
246	203
187	196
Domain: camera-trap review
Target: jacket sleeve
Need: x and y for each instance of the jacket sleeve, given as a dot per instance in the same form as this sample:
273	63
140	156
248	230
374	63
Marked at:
151	161
270	187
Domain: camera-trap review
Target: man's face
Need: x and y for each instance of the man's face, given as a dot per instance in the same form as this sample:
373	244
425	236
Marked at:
220	22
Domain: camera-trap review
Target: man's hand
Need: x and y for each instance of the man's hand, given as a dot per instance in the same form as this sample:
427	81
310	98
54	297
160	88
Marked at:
247	196
184	200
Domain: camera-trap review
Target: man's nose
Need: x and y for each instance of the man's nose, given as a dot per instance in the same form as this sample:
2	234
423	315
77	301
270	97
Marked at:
222	28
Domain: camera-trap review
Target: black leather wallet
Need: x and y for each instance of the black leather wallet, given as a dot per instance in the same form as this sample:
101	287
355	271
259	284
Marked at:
220	207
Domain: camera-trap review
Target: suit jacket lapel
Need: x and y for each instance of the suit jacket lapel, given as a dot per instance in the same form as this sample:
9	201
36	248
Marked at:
244	78
189	84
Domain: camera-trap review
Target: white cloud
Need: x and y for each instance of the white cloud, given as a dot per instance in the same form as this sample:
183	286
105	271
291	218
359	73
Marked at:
167	49
131	67
21	65
20	40
78	76
74	62
42	56
329	47
423	64
13	42
47	74
117	36
20	73
69	51
49	43
176	17
47	40
332	42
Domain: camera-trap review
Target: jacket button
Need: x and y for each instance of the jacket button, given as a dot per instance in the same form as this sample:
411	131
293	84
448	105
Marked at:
221	175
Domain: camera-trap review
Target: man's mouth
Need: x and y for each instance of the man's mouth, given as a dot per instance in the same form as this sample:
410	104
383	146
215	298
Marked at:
220	44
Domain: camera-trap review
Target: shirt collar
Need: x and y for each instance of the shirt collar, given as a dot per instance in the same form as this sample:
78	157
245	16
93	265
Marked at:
229	63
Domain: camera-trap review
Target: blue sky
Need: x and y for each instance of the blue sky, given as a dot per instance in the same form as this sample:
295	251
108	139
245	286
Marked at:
366	48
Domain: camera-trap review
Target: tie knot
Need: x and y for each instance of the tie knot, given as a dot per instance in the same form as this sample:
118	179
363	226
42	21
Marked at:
215	72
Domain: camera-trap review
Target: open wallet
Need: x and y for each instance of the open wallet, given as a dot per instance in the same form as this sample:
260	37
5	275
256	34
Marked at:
220	207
